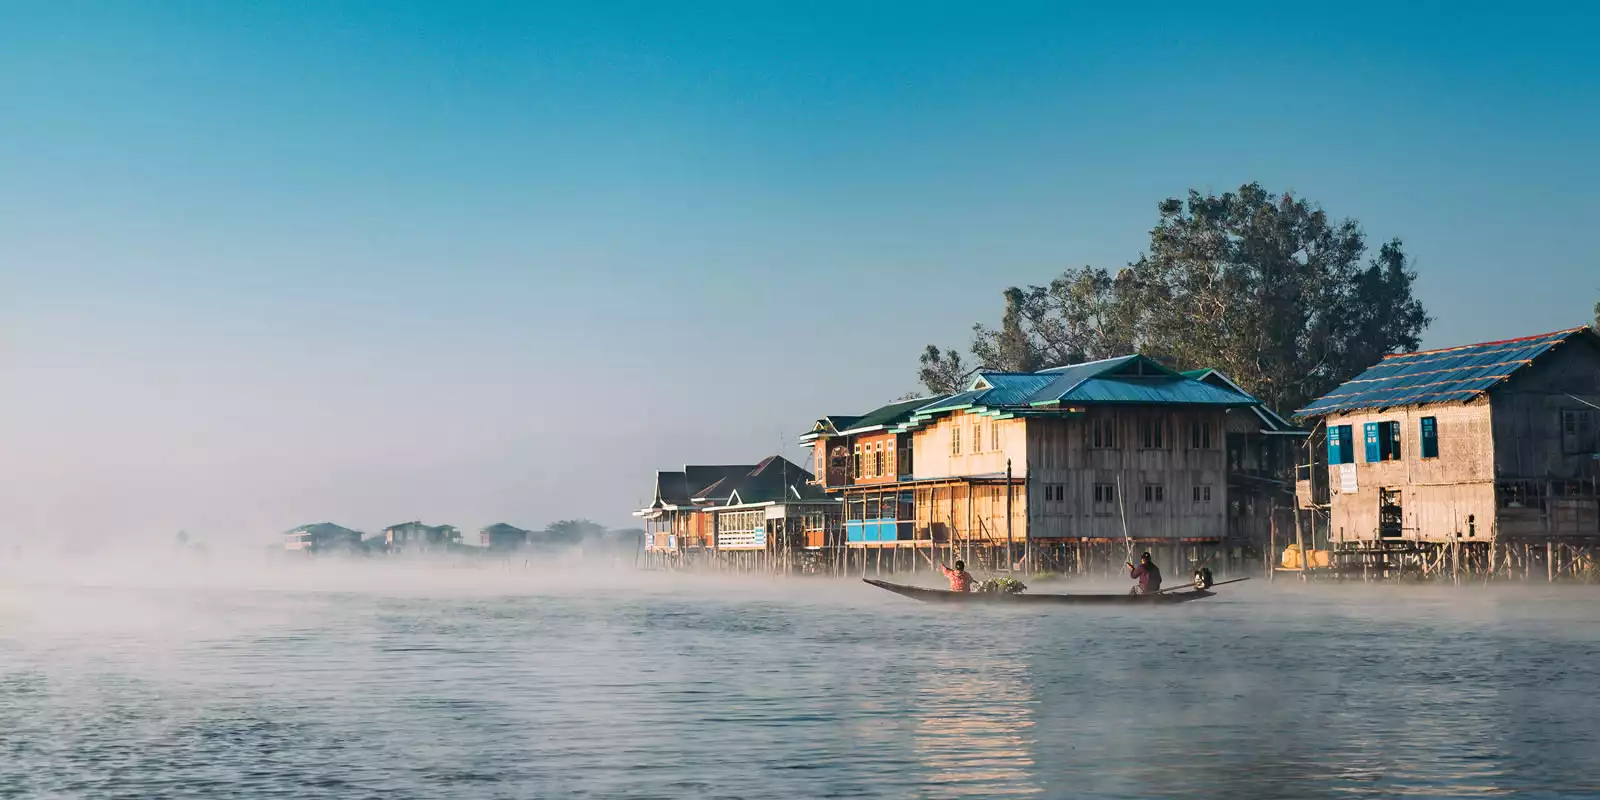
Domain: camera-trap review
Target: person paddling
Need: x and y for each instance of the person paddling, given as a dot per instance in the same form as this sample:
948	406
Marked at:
1147	574
960	581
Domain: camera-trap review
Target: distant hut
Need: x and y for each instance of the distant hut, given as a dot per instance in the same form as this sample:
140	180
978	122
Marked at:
502	538
416	537
321	537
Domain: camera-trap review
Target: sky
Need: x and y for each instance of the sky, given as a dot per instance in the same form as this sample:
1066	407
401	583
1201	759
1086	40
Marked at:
264	264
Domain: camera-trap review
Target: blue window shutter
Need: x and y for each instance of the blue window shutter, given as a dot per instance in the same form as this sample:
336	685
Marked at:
1335	446
1430	437
1374	450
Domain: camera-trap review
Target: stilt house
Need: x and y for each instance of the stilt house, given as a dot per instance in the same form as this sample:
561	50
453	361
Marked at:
1045	462
771	505
321	537
1488	443
415	537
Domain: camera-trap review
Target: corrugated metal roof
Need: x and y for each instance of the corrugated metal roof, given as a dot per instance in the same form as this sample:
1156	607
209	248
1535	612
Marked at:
892	414
1450	375
1011	388
1125	380
1152	391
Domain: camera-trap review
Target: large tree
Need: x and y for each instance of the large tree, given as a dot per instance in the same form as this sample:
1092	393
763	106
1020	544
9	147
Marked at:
1597	316
1264	287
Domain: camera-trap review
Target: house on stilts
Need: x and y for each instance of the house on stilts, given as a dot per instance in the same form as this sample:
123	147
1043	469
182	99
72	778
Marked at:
764	516
1061	469
1481	460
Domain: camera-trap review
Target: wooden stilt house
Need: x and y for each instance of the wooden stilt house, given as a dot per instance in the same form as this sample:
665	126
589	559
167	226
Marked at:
770	506
1049	463
1494	447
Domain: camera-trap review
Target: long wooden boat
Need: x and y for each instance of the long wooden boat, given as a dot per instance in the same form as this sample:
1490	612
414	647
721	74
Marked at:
946	596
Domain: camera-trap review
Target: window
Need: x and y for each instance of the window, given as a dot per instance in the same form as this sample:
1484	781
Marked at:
977	437
1430	437
1055	493
955	440
1202	495
1383	441
994	435
889	460
1199	435
1152	432
1105	498
1341	444
1103	433
1579	431
1155	494
856	457
877	460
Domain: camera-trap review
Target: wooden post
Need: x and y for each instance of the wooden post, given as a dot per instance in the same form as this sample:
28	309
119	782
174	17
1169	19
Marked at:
1010	558
1550	559
1299	540
1272	547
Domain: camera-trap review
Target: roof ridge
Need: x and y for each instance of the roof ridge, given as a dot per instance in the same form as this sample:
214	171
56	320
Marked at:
1493	343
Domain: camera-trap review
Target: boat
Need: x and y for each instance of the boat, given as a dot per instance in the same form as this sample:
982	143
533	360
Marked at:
1175	595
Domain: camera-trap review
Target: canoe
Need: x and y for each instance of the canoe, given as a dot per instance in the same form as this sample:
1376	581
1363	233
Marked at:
947	596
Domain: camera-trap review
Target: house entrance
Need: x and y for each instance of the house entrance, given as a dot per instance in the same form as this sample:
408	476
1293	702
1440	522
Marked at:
1389	516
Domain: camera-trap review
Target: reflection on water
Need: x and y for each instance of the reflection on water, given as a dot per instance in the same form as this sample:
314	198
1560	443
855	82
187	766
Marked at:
973	730
490	686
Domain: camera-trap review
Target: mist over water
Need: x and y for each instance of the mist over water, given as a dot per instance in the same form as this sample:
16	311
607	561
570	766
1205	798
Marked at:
172	675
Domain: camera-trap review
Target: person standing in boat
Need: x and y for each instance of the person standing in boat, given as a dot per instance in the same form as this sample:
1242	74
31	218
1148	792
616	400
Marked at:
960	581
1147	574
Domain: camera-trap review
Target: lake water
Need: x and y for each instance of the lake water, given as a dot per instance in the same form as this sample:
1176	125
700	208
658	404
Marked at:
401	682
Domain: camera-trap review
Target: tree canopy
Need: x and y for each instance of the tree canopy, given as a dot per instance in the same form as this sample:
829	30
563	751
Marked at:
1264	287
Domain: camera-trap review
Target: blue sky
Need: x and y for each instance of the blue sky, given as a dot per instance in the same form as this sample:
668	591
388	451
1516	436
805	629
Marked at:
263	264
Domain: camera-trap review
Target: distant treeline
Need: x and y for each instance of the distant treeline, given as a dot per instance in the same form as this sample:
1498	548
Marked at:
587	535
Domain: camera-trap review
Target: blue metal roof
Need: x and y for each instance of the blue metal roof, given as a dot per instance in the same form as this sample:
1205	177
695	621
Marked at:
1125	380
1450	375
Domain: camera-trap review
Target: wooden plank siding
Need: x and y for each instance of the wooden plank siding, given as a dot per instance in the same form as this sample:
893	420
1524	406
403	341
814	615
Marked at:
935	454
1050	452
1061	453
1440	496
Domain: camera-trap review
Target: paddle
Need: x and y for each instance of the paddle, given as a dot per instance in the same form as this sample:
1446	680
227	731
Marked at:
1191	586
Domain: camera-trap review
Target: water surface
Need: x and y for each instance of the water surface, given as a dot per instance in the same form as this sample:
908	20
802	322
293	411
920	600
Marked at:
481	684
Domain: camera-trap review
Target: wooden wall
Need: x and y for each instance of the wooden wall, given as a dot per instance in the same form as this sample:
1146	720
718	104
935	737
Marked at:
1527	414
1557	478
871	445
1438	496
1060	453
933	456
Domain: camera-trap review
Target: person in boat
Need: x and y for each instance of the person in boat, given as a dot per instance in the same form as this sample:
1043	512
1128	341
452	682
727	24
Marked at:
1147	574
960	580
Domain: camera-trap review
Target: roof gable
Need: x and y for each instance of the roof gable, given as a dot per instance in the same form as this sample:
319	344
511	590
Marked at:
1448	375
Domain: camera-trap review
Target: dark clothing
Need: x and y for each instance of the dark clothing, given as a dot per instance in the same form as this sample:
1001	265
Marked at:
1149	577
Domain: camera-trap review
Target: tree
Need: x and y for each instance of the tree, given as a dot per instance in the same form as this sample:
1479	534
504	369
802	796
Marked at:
941	372
1597	316
1263	287
1272	292
1011	348
568	533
